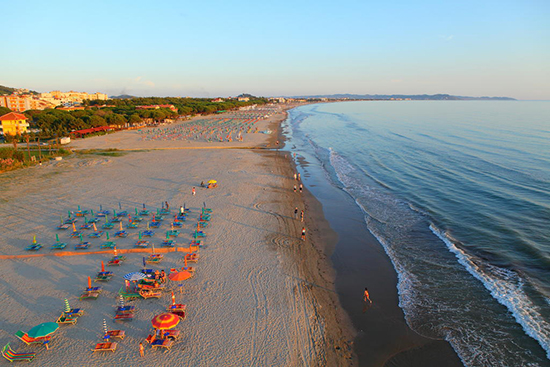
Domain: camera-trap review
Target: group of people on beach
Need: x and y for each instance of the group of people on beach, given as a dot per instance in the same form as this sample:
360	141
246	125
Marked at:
297	178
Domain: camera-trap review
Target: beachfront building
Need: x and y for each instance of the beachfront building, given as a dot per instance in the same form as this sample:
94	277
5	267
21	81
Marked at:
58	98
20	103
14	123
171	107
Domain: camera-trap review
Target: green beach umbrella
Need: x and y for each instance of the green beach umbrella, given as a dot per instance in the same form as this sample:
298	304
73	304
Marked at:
43	329
56	237
107	233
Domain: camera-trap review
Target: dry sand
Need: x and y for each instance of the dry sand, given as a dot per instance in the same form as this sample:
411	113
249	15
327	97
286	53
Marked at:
260	296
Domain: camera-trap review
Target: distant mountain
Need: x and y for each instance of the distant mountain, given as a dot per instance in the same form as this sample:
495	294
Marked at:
123	96
246	95
4	91
416	97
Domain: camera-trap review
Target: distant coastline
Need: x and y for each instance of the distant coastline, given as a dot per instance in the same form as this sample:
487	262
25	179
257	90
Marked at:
412	97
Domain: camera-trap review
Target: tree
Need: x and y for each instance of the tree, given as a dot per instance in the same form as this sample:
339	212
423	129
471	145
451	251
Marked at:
134	119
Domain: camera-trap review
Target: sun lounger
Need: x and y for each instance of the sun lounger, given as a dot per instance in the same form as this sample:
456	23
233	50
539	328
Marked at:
12	356
128	295
116	219
142	244
147	233
173	233
66	319
168	243
125	308
179	313
129	316
164	211
121	334
114	262
123	213
146	294
33	247
71	220
59	246
95	234
102	347
162	343
121	234
108	244
89	295
93	220
25	338
102	278
94	289
182	217
75	234
132	225
107	225
73	313
63	227
177	224
86	226
155	224
82	246
144	212
192	256
171	334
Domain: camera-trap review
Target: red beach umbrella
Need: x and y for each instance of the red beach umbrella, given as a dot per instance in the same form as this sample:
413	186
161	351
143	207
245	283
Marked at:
180	275
173	298
102	267
89	282
165	321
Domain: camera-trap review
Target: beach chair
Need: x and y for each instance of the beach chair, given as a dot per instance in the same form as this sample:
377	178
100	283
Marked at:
125	308
95	234
25	338
162	343
71	220
192	257
86	226
82	245
121	334
146	294
128	295
114	262
124	316
198	234
33	247
63	227
121	234
150	338
177	224
202	224
123	213
147	233
59	246
182	217
116	219
93	220
147	272
173	233
73	313
102	347
89	295
12	356
63	319
108	225
104	276
142	244
132	225
168	243
75	234
155	224
144	212
164	211
171	334
108	244
179	313
94	289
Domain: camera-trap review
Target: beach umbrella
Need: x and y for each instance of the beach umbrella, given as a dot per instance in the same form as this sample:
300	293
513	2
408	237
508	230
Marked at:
180	275
56	237
74	227
107	234
92	212
102	267
153	250
134	276
144	262
120	226
165	321
212	181
119	206
95	228
173	298
43	329
136	211
121	300
114	249
105	330
89	282
67	306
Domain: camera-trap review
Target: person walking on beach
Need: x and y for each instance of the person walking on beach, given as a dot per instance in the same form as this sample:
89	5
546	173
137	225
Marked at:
303	233
181	210
366	297
167	206
295	188
296	213
298	177
193	190
302	217
295	176
301	188
141	349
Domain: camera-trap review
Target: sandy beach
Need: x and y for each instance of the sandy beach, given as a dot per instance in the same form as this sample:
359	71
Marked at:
260	296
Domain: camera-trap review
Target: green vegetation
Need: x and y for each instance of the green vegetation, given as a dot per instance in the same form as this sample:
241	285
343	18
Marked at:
7	90
103	152
119	112
11	158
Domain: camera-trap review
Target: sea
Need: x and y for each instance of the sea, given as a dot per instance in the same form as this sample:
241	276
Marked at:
457	193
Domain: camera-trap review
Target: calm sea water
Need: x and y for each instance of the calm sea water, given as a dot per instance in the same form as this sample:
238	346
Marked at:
458	194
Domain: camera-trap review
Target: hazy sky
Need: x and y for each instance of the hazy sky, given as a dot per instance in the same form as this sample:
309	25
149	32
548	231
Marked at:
269	48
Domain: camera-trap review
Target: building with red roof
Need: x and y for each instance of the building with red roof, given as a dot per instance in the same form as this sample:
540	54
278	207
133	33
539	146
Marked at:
14	123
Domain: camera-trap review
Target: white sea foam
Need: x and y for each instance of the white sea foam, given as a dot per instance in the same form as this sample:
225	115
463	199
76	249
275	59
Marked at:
506	287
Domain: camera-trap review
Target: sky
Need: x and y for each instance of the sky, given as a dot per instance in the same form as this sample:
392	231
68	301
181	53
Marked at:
278	48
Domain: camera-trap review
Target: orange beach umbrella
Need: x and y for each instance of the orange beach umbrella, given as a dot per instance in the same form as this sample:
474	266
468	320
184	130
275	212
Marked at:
180	275
165	321
102	267
89	282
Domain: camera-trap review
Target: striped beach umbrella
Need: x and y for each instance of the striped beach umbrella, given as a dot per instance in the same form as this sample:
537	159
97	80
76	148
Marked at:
135	276
165	321
121	300
105	326
114	249
67	307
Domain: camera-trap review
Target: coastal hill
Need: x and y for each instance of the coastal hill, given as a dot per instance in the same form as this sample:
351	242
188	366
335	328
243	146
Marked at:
415	97
7	90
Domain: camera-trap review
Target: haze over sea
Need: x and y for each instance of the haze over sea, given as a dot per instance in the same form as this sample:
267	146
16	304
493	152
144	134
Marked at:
458	194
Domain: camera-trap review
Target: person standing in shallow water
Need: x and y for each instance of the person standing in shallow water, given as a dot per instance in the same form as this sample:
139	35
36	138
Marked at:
303	233
366	296
296	213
